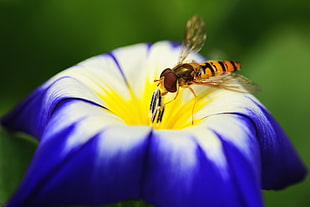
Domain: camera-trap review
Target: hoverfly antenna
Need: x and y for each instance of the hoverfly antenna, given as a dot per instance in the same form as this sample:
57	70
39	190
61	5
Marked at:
158	82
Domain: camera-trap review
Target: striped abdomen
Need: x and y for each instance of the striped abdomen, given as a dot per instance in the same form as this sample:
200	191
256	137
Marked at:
213	68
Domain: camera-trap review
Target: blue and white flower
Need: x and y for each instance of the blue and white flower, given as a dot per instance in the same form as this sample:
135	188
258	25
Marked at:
97	144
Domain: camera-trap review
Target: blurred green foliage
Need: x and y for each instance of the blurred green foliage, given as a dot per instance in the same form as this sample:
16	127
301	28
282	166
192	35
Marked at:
270	38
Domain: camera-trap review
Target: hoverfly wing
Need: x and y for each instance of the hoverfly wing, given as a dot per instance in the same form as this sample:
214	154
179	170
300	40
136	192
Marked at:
247	84
194	37
231	81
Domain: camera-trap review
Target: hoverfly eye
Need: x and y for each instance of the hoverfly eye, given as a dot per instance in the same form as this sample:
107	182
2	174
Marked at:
170	82
167	70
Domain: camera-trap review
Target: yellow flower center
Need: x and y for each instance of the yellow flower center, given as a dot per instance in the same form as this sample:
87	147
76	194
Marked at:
178	114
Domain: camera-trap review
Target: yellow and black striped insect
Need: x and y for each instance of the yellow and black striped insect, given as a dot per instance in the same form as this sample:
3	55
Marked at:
210	73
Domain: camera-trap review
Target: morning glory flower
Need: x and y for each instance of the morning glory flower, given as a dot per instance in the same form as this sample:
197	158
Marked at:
98	144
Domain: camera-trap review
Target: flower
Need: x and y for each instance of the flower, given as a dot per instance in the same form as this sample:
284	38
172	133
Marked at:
98	145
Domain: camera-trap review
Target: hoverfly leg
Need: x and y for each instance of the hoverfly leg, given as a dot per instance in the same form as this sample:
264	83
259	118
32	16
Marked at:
195	100
175	97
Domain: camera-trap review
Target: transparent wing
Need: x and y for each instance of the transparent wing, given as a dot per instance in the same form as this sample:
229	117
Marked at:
194	37
231	81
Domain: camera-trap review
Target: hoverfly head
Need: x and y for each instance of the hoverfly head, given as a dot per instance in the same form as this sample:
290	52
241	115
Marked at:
168	80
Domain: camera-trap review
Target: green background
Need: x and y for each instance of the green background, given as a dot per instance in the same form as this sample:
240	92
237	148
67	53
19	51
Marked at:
270	38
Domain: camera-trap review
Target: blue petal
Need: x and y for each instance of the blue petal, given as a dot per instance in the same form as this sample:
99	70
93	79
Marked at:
281	166
33	114
183	171
98	168
166	168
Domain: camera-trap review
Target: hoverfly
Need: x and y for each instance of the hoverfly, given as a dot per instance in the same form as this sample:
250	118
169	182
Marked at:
209	73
